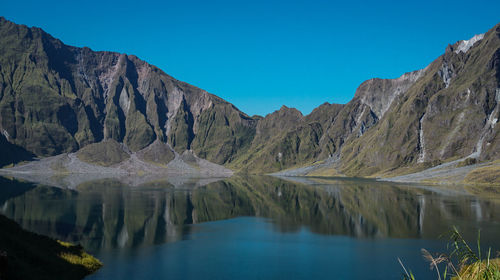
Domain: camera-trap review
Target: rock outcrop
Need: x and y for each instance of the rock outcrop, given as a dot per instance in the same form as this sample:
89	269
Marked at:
57	99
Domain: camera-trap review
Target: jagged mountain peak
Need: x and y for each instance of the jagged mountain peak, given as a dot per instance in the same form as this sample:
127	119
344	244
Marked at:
379	94
67	97
445	114
58	99
465	45
288	110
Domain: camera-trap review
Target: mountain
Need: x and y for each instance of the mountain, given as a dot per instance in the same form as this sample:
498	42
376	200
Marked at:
110	109
449	112
58	99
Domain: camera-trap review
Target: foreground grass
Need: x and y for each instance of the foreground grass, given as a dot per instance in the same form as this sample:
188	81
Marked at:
462	263
26	255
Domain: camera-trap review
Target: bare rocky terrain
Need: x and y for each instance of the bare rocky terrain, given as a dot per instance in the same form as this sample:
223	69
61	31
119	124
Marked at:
68	170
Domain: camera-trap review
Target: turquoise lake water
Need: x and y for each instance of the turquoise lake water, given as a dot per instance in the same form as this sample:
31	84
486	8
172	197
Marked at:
254	227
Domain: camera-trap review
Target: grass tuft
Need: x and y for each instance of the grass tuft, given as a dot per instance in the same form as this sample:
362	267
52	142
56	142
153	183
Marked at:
462	263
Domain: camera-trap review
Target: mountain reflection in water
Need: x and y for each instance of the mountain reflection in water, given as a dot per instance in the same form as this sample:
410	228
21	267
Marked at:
107	214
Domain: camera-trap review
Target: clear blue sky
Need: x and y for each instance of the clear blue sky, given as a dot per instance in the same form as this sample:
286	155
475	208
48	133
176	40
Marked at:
260	55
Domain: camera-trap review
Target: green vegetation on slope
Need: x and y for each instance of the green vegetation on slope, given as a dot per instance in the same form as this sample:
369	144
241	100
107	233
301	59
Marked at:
158	153
434	120
104	153
223	133
485	175
25	255
56	98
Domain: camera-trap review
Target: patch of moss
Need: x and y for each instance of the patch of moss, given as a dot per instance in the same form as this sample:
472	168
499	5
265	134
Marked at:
77	256
26	255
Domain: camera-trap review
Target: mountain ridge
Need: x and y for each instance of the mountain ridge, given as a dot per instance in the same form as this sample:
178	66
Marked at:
58	99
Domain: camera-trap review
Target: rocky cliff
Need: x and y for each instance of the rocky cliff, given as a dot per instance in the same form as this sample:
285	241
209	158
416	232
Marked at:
58	99
449	112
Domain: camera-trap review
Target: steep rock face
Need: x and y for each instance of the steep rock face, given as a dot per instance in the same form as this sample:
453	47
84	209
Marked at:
379	94
450	112
56	98
222	132
286	139
350	123
264	154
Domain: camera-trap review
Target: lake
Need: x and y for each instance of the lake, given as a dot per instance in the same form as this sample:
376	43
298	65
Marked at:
255	227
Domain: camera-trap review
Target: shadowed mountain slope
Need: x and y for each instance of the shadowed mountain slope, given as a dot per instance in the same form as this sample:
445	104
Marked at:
57	99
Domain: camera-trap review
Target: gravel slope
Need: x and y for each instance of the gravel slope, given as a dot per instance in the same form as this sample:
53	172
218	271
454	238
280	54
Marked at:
67	170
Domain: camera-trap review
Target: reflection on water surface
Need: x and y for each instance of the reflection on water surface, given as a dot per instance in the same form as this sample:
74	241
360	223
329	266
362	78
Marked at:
256	227
107	214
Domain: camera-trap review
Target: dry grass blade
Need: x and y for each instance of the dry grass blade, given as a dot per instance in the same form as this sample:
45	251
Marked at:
470	264
407	275
434	261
